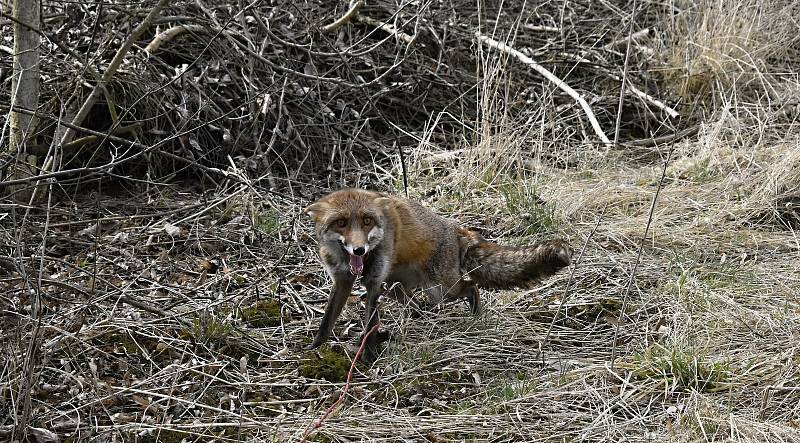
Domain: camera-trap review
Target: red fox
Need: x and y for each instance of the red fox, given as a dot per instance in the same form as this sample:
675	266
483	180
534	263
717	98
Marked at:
394	240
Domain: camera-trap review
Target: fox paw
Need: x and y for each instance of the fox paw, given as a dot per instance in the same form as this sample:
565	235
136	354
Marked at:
370	352
384	336
369	356
314	345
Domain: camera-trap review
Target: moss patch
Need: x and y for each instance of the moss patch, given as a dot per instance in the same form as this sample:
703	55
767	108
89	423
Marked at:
325	364
263	314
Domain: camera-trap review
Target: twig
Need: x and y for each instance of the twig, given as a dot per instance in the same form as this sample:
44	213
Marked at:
624	76
388	27
638	260
171	33
111	70
643	95
631	38
572	275
346	18
541	28
79	142
652	142
549	76
89	292
108	166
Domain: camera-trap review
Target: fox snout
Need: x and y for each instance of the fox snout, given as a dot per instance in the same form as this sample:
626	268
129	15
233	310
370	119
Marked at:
356	255
353	248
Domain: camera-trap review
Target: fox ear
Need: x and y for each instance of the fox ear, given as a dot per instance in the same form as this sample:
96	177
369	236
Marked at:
316	210
382	202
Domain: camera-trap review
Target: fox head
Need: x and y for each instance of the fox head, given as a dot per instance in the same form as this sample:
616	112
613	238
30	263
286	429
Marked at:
352	218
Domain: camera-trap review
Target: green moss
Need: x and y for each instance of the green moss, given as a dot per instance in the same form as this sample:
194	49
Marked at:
319	436
267	222
240	279
578	316
263	314
172	436
119	342
225	213
586	174
325	364
236	433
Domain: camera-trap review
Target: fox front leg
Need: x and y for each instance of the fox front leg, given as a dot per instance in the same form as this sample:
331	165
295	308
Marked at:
342	287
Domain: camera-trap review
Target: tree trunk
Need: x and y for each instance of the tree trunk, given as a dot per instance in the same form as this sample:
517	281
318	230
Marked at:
24	84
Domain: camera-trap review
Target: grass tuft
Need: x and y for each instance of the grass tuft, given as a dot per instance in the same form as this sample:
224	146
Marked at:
678	368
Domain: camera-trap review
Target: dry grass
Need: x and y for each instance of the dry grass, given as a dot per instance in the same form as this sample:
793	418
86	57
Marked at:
706	345
148	331
714	46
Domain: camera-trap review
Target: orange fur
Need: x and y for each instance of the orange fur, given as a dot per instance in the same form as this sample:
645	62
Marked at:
412	245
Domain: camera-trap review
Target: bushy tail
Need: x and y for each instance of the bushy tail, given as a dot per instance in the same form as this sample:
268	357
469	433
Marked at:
496	266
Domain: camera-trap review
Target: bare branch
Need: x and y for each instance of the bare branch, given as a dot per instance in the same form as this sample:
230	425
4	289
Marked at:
387	27
112	69
346	18
549	76
169	34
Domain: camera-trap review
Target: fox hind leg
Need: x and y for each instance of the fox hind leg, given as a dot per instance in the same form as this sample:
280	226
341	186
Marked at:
466	290
456	288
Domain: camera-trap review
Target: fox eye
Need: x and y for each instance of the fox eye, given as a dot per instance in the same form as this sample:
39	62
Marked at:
341	223
367	221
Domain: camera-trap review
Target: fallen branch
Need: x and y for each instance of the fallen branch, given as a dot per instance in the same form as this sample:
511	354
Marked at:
549	76
388	27
648	98
169	34
346	18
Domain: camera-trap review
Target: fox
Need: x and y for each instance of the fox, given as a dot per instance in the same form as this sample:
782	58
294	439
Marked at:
398	242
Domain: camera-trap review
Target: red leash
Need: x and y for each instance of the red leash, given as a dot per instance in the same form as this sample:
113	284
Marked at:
317	424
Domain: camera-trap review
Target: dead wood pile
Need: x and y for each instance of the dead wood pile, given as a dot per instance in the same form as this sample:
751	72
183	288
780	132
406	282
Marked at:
311	87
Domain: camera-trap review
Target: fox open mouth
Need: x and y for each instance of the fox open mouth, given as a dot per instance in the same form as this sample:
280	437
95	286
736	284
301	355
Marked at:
356	264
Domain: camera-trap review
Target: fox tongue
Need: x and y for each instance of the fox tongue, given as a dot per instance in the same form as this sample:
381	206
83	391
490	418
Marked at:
356	264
